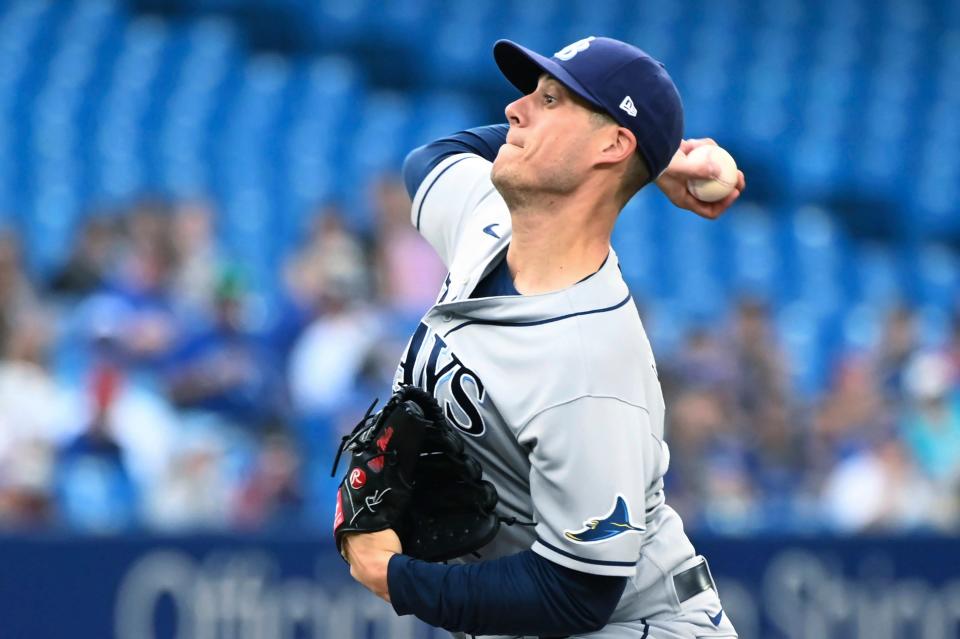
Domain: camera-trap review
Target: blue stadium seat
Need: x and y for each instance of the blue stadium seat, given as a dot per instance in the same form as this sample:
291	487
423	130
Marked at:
863	327
755	264
404	21
937	275
798	329
934	326
878	274
439	113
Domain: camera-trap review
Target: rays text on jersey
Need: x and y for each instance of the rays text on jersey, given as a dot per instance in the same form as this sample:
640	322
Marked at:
430	364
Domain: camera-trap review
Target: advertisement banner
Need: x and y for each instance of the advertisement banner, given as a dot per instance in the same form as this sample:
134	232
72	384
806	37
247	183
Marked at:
297	588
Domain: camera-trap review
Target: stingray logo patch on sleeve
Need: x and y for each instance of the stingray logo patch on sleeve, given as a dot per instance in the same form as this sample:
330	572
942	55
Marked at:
614	523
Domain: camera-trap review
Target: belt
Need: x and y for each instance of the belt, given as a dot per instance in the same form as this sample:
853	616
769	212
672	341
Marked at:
693	581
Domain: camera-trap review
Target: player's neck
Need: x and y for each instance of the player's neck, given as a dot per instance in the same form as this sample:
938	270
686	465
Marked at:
556	247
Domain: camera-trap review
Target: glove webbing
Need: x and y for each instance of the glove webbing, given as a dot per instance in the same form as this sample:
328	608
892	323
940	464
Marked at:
348	440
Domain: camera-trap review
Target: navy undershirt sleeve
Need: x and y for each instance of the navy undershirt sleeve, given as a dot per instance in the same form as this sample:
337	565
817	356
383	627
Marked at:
484	141
522	594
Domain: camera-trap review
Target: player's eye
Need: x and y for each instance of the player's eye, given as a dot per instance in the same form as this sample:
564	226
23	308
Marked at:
549	99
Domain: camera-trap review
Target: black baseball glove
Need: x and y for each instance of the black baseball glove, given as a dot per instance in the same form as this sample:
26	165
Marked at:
409	472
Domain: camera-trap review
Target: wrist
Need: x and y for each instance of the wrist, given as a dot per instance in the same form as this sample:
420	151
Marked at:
369	565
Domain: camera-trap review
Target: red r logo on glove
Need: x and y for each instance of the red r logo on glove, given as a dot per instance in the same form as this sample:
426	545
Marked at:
357	478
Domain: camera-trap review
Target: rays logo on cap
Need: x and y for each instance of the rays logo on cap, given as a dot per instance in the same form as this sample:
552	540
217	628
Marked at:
614	523
573	49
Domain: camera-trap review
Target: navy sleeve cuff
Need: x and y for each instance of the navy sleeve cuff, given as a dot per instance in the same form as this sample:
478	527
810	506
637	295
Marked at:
397	586
520	594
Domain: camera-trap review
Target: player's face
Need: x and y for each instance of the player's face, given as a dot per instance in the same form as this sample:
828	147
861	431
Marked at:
544	154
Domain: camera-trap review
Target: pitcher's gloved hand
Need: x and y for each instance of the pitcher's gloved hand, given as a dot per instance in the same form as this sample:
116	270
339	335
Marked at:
409	472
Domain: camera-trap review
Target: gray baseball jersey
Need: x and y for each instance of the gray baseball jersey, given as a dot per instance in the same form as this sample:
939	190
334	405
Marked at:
558	397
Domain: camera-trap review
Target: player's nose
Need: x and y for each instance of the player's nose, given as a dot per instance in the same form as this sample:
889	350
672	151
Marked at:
515	112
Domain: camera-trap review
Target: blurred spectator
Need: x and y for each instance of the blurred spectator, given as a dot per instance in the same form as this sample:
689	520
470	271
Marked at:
731	501
931	423
329	256
776	457
875	482
878	489
140	417
328	358
896	347
698	427
272	496
331	277
94	488
195	491
152	327
34	413
703	361
851	417
953	349
32	405
760	372
198	261
148	225
141	288
224	368
330	253
26	487
409	273
90	259
17	295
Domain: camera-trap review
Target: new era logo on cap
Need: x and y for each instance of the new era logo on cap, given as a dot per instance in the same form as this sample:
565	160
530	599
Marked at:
627	105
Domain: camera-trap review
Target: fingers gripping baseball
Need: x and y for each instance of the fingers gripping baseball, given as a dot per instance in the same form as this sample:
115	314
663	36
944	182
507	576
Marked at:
689	165
682	164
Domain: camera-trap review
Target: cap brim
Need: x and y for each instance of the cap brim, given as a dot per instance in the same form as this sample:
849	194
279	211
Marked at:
523	68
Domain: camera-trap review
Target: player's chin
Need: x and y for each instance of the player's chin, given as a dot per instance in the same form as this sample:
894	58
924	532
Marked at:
500	170
504	176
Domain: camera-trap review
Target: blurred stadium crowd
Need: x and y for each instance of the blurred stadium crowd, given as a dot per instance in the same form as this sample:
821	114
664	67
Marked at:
209	272
142	386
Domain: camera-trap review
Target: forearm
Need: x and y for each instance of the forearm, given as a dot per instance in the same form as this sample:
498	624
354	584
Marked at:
519	594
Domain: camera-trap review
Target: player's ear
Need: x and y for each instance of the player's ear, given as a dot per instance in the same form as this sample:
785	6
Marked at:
618	144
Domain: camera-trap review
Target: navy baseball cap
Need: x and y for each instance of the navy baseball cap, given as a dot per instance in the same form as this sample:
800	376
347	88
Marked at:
615	77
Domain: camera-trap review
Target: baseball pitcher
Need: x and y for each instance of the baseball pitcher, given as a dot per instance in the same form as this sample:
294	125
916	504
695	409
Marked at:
536	355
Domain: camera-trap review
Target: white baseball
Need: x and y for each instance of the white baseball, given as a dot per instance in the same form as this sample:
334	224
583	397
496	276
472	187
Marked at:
713	190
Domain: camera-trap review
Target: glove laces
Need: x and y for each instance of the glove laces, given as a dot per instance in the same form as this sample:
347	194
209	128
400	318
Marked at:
349	440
